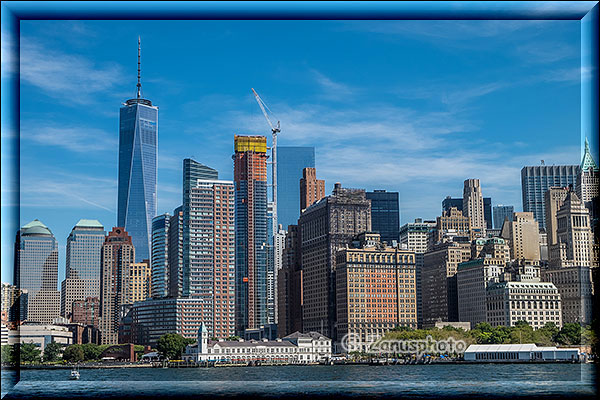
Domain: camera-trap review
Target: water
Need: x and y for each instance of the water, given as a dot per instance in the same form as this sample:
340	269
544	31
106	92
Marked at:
450	380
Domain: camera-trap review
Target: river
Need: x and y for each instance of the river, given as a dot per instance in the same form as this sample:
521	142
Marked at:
447	380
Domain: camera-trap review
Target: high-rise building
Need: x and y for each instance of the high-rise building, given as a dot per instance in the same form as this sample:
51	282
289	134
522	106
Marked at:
290	163
211	253
138	141
473	206
36	270
311	188
574	240
416	237
375	289
487	212
457	203
118	253
451	224
438	281
450	202
14	303
588	191
523	236
140	281
289	285
535	181
385	214
553	200
326	227
176	253
82	278
250	176
160	255
192	171
575	286
86	312
502	212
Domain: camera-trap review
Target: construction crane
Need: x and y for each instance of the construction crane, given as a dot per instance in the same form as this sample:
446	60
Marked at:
274	130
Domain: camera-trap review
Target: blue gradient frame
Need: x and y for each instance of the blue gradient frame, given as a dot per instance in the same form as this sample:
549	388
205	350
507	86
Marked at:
15	11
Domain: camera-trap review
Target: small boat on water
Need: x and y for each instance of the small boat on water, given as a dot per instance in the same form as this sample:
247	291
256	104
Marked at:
74	374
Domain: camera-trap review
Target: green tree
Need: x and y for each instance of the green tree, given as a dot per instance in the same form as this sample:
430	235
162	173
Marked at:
30	353
569	334
233	338
171	345
9	354
73	353
51	352
91	351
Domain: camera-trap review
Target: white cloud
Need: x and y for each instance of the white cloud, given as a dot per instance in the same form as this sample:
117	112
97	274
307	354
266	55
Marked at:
77	139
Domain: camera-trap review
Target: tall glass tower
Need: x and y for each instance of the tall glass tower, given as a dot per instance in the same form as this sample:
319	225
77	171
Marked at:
138	142
290	163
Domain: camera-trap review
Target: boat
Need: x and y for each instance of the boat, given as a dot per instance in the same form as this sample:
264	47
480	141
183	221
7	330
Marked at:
74	374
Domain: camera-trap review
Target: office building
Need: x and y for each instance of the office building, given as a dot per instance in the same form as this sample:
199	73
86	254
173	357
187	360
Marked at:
438	281
537	303
211	254
41	335
575	286
450	202
289	285
553	200
457	203
415	236
291	161
523	236
140	281
473	206
311	188
452	224
326	227
487	212
588	179
117	255
86	312
14	303
574	240
375	289
160	255
82	278
175	256
501	213
251	243
138	141
385	214
36	270
536	180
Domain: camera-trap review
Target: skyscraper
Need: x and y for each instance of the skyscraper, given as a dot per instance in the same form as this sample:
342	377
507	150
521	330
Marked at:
535	181
82	278
290	163
176	253
311	188
326	227
212	255
251	244
457	202
553	200
36	270
385	214
138	142
473	206
118	253
192	171
502	212
160	255
523	235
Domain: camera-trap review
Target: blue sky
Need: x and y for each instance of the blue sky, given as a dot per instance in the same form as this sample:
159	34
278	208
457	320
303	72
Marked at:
408	106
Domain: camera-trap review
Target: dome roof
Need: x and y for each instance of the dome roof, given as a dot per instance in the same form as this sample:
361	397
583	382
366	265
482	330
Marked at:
35	227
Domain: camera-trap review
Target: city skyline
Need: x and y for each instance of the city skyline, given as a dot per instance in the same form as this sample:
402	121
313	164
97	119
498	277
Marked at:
331	116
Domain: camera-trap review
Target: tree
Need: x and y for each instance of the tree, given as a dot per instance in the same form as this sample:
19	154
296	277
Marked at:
91	351
171	345
233	338
30	353
569	334
51	352
73	353
9	354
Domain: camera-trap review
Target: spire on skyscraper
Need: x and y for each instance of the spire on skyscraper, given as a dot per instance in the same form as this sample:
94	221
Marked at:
139	84
587	160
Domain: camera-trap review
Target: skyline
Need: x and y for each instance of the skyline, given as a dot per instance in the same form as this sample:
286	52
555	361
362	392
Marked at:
402	119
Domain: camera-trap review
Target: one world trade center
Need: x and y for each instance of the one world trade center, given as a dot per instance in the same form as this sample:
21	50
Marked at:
138	137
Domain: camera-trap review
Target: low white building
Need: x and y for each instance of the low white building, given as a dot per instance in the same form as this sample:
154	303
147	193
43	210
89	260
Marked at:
40	335
518	353
297	348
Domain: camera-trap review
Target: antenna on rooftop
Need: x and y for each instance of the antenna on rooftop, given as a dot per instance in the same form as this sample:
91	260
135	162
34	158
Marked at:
139	84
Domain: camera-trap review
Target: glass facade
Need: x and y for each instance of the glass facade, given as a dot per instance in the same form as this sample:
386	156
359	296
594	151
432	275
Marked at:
176	253
138	140
535	181
290	163
385	214
500	213
160	255
84	245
